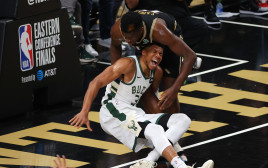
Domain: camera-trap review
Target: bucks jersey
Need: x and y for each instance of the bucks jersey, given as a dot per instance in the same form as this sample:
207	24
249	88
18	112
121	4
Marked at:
149	19
119	115
131	92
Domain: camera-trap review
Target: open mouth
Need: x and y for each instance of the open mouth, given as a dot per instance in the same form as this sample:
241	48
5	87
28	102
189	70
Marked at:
154	62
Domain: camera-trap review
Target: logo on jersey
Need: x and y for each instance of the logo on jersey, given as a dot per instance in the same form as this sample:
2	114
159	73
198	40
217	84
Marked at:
26	47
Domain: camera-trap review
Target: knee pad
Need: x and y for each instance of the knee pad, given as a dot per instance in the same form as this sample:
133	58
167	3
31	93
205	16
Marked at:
156	134
153	130
181	119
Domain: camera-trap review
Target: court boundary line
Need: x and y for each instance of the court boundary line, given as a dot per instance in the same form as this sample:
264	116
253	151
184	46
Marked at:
237	23
238	62
205	142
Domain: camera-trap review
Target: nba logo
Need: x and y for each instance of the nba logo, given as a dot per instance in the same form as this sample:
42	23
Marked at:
26	47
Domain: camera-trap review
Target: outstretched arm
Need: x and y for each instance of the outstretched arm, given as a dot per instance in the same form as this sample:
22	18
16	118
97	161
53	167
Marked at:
107	76
164	36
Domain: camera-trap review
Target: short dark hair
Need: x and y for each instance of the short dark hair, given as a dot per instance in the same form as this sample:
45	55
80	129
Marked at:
131	21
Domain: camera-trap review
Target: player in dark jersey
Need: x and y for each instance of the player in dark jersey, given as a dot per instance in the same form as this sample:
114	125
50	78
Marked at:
143	27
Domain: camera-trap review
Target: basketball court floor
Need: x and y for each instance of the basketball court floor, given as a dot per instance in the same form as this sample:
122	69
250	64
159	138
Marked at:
226	99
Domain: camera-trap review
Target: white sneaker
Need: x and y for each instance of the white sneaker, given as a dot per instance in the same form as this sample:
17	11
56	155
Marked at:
144	164
91	50
208	164
198	63
105	42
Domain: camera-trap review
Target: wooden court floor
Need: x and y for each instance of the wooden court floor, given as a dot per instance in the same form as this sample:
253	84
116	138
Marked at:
227	100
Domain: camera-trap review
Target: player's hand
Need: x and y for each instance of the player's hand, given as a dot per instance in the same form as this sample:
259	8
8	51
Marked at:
79	119
61	163
167	98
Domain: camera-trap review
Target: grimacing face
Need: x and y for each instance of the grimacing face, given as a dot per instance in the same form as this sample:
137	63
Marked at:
154	55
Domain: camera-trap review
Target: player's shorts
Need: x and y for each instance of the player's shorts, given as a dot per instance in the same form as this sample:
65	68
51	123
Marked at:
121	121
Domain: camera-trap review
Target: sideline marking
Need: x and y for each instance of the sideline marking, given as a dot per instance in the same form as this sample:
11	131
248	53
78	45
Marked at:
205	142
104	63
238	23
238	62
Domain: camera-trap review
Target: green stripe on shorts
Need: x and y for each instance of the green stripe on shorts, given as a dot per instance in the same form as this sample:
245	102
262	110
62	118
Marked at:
159	118
115	113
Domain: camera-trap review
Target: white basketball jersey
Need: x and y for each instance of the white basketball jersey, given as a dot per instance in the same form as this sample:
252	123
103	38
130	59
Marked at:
132	91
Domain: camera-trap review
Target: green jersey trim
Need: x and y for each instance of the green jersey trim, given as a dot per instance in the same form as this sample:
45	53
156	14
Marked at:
142	70
156	122
134	77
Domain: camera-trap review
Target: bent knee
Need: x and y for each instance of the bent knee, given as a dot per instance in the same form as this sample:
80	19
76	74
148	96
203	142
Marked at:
153	130
180	119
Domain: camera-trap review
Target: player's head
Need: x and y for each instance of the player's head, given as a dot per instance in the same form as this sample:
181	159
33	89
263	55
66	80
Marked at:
132	27
152	55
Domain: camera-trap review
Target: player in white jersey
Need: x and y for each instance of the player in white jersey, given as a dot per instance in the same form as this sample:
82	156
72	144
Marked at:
120	117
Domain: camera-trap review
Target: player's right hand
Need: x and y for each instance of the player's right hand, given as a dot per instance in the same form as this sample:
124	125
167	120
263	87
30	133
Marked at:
79	119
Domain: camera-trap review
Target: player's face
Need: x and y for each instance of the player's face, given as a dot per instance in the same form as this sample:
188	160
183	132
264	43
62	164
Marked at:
133	37
154	56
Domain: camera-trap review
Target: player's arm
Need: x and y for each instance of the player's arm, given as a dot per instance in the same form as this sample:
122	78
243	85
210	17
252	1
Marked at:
111	73
164	36
149	99
116	41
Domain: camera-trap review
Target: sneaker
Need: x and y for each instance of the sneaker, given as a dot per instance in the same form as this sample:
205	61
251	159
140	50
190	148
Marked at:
251	8
85	57
75	25
105	42
208	164
197	63
91	50
209	15
144	164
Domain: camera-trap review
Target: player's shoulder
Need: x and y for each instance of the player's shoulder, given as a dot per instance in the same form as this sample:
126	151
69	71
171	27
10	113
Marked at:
125	62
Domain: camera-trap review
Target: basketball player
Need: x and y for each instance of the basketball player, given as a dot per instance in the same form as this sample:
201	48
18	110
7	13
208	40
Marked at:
143	27
119	115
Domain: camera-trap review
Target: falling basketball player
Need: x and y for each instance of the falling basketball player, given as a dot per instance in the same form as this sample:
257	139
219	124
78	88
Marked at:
120	117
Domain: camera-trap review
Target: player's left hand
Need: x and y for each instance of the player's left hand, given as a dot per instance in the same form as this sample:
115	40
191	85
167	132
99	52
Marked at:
167	98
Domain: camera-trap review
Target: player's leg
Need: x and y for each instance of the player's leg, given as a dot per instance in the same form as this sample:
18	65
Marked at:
156	134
